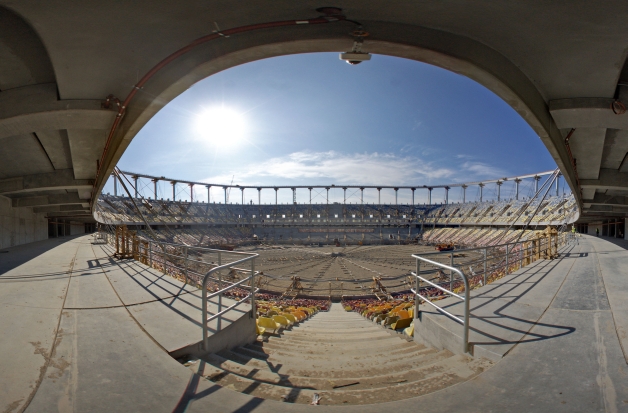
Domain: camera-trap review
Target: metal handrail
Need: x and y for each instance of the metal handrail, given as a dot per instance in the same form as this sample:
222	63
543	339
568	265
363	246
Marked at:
465	299
219	293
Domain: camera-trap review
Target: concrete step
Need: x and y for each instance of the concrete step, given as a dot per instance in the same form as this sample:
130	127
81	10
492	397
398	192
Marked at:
364	390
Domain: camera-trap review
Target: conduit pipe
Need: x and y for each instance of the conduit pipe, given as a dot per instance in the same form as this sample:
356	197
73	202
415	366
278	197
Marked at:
329	18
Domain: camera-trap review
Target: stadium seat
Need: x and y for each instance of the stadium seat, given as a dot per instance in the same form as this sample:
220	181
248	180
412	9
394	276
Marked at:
410	330
282	320
268	324
259	330
390	320
402	323
291	318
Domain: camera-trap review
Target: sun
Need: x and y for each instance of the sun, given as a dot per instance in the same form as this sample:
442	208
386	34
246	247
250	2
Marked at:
221	126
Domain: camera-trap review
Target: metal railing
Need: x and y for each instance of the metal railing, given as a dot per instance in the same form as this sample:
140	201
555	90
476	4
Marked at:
178	260
465	299
493	261
220	293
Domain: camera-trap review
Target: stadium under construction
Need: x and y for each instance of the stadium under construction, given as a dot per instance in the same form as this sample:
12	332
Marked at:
123	291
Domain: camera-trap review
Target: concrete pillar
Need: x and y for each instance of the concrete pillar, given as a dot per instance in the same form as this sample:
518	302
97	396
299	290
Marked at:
481	185
174	185
536	183
499	190
429	196
276	191
447	195
396	198
464	193
208	193
310	195
557	183
327	188
191	192
344	189
259	196
379	196
135	184
294	195
362	196
517	181
226	198
242	190
155	187
115	185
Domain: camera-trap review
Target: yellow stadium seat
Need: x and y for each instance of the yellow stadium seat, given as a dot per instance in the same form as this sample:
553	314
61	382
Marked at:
271	313
282	320
390	320
410	330
290	318
259	330
268	324
402	323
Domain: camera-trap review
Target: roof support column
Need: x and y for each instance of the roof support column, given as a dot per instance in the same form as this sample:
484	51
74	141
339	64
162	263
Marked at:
447	195
413	189
396	197
517	181
499	190
481	185
464	193
191	192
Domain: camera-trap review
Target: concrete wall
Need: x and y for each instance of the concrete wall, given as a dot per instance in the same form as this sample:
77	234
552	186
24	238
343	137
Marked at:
77	228
592	228
20	225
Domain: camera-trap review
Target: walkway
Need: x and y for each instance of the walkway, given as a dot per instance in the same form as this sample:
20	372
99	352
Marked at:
110	340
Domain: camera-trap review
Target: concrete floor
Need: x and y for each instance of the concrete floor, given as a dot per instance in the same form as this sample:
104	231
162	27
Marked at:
68	345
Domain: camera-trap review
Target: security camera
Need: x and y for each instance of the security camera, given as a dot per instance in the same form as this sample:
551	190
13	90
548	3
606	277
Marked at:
355	58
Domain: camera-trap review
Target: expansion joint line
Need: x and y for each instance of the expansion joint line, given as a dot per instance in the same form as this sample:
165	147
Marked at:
599	267
53	347
330	15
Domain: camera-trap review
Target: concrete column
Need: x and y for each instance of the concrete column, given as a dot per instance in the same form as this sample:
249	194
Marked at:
225	189
155	187
499	190
259	196
379	196
294	195
115	185
396	198
174	185
208	193
310	195
557	183
362	196
536	183
481	185
135	184
327	195
276	191
429	196
413	189
242	190
191	192
447	195
464	193
517	181
344	189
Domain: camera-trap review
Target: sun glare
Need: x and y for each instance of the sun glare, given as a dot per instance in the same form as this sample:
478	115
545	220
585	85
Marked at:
221	126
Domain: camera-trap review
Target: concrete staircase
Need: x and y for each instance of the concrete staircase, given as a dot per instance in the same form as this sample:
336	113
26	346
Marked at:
342	357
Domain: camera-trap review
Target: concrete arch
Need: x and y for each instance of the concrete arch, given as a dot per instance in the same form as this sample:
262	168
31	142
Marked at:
24	58
450	51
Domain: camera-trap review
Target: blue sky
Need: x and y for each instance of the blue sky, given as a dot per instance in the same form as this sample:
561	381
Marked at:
313	119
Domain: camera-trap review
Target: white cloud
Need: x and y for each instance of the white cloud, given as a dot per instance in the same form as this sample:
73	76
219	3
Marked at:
356	168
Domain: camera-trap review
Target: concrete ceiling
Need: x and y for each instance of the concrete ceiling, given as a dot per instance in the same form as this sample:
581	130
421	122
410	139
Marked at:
559	64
